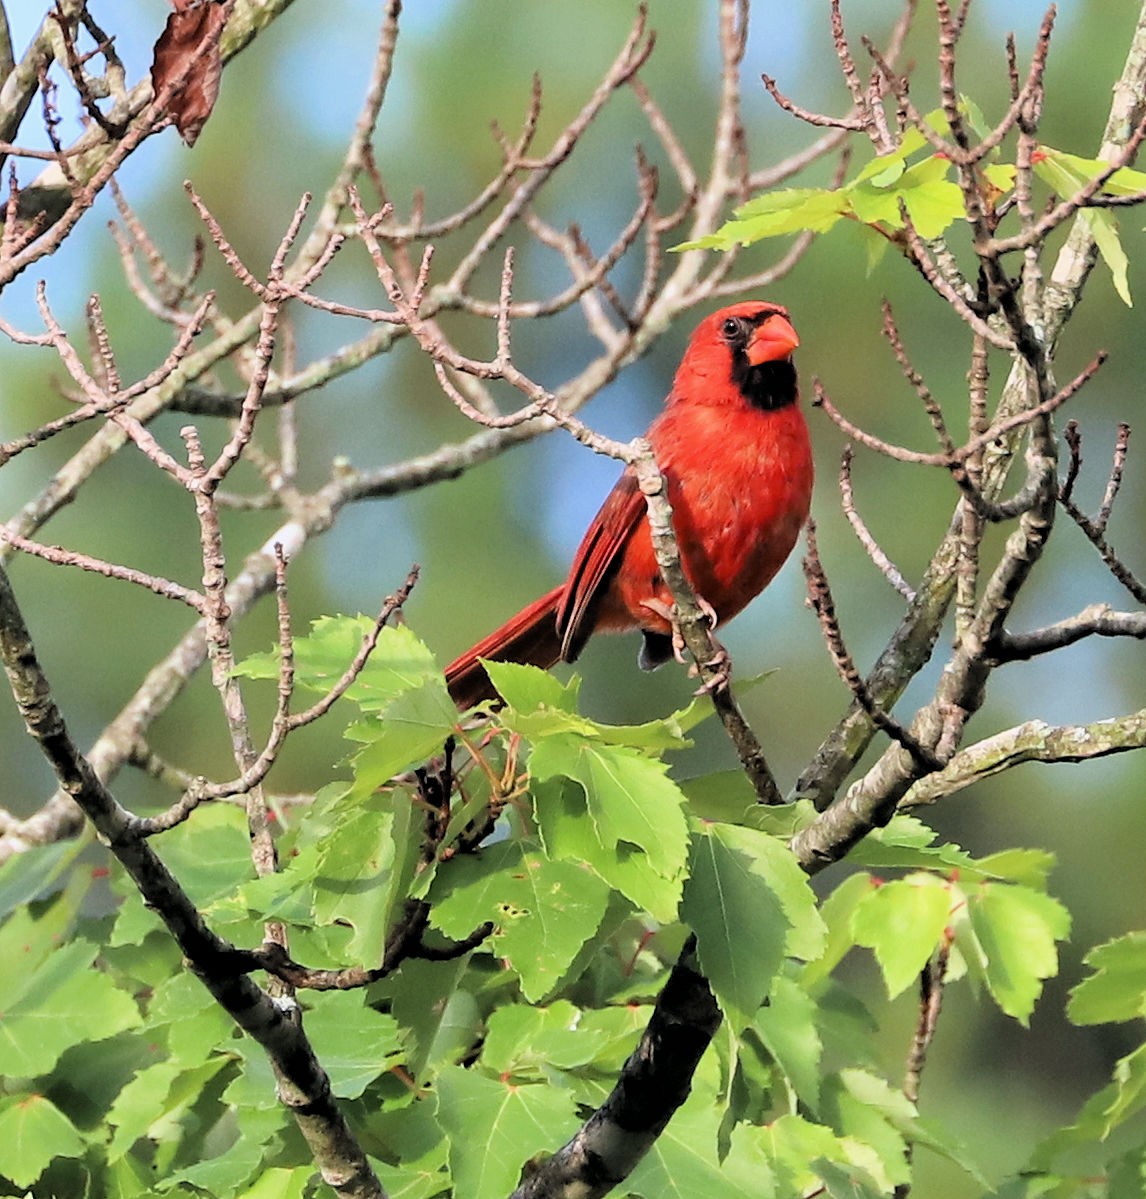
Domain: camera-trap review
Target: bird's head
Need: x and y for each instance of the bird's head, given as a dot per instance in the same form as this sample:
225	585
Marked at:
741	354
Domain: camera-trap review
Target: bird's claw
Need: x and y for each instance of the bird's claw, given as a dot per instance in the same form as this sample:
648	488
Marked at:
721	664
721	660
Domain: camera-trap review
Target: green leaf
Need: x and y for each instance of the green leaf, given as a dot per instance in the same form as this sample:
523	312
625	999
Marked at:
210	855
409	729
1124	182
152	1104
280	1183
790	211
630	797
787	1026
740	954
802	1156
63	1002
740	902
354	1042
529	1042
902	922
569	835
422	1177
1001	175
837	912
494	1128
543	910
1104	1112
1031	867
1117	988
399	663
1104	229
683	1162
933	202
1067	174
32	935
30	875
544	721
724	795
866	1110
194	1021
442	1019
907	843
33	1131
525	688
353	870
1017	929
227	1171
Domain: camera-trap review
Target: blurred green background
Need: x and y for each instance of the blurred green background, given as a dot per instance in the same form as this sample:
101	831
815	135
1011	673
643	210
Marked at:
504	532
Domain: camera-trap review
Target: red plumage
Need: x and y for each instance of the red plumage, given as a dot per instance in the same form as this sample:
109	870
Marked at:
734	449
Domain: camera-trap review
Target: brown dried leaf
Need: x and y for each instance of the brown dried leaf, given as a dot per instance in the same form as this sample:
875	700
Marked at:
187	56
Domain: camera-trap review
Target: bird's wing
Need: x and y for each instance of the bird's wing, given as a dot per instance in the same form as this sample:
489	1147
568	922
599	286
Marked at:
596	562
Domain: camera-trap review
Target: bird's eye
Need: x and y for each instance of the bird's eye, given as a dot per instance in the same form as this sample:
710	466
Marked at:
732	329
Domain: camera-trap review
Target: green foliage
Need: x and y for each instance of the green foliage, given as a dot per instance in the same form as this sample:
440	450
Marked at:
921	182
591	864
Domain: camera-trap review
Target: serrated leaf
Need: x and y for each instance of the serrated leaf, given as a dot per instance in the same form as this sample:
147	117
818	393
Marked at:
1067	174
526	687
353	871
788	211
568	834
63	1002
738	921
150	1104
799	1153
787	1026
399	663
442	1019
30	875
683	1162
654	736
530	1042
1017	929
865	1111
354	1042
836	912
1031	867
494	1128
1117	988
743	921
630	797
543	910
33	1131
279	1182
932	201
411	728
902	922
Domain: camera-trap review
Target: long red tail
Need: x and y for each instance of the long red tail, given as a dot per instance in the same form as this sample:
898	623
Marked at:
529	637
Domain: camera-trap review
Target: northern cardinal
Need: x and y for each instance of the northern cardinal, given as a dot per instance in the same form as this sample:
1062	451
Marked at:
733	447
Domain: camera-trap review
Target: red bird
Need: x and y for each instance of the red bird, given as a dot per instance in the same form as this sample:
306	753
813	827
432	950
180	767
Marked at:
733	447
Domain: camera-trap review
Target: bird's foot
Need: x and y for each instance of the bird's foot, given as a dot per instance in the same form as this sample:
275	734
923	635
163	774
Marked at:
721	665
721	658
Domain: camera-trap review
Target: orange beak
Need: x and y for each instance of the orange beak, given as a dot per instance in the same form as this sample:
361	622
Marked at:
773	341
